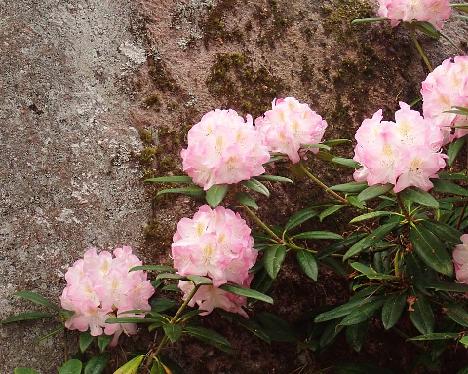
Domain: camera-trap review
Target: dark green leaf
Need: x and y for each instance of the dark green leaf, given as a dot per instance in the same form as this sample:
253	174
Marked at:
358	21
198	280
441	185
344	310
371	273
393	309
275	178
247	292
346	162
72	366
171	179
171	287
334	142
169	276
276	328
173	332
209	336
444	232
316	146
363	313
257	186
247	200
273	258
25	371
157	367
330	332
329	211
355	335
354	201
428	29
85	341
422	317
435	336
371	215
351	187
131	367
96	365
190	191
161	304
262	281
341	245
155	325
431	250
308	264
458	314
254	328
374	191
155	268
131	320
26	316
300	217
318	235
454	149
420	197
453	176
464	341
216	194
103	341
447	286
36	298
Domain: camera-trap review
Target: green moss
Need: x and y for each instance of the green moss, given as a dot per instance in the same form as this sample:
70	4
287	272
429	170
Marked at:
214	27
340	13
147	155
275	29
162	78
152	101
234	78
146	136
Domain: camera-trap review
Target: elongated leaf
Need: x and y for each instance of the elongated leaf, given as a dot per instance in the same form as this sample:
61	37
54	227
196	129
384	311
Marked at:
464	8
96	365
344	310
330	333
161	304
257	186
276	328
454	149
173	332
169	276
444	232
374	191
464	341
36	298
375	236
247	292
318	235
316	146
392	309
371	273
420	197
190	191
428	29
308	264
273	259
216	194
131	320
247	200
254	328
335	142
458	314
351	187
171	179
26	316
329	211
431	250
198	280
85	341
103	341
72	366
358	21
341	245
300	217
155	268
346	162
422	317
274	178
448	286
354	201
371	215
131	367
25	371
435	336
363	313
445	186
209	336
355	335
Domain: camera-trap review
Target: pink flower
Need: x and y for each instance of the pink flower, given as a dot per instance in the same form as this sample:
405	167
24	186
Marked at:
288	125
223	149
100	286
404	153
214	243
460	260
444	88
433	11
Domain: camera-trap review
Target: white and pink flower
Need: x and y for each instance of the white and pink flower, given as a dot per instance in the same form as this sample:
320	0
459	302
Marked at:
460	260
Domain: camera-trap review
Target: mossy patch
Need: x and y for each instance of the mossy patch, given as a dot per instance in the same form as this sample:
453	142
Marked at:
152	101
161	77
234	78
214	26
274	30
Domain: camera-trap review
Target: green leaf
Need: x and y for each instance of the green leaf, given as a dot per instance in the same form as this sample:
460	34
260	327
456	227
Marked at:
155	325
375	236
155	268
96	365
344	310
444	232
276	328
370	215
329	211
190	191
273	258
355	335
354	201
420	197
441	185
318	235
316	146
216	194
299	218
171	287
428	29
363	313
209	336
131	320
72	366
36	298
103	341
247	200
464	341
157	367
447	286
85	341
173	332
256	186
462	7
371	273
25	371
254	328
161	304
274	178
26	316
346	162
358	21
454	149
393	309
171	179
131	367
334	142
458	314
199	281
422	317
308	264
351	187
431	250
169	276
435	336
330	332
247	292
374	191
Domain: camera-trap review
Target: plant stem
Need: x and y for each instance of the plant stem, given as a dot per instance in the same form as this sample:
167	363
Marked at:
397	264
263	225
420	49
323	185
403	208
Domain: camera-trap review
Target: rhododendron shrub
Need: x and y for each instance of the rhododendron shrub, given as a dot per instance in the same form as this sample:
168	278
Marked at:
100	286
460	260
290	125
443	90
404	153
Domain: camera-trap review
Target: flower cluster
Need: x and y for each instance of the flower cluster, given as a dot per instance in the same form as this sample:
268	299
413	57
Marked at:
443	89
214	243
460	260
433	11
100	286
223	149
289	125
404	153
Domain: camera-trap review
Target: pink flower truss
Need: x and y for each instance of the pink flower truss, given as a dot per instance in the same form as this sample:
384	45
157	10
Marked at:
444	88
404	153
433	11
460	260
100	286
288	125
214	243
223	149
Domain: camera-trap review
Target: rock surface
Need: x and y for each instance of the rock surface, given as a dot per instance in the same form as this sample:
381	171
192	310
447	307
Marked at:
68	174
